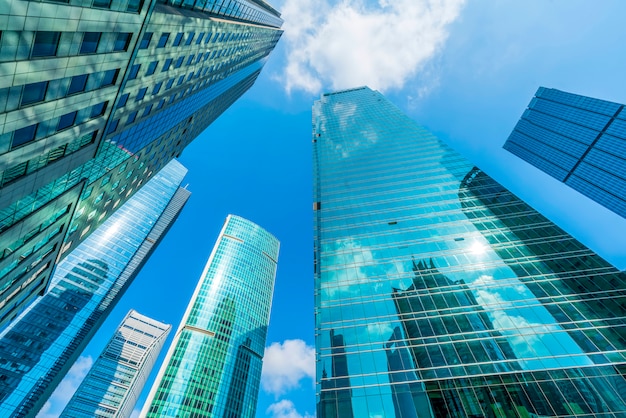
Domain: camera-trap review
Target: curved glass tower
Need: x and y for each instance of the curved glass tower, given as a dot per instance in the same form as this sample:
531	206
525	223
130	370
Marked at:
213	366
439	293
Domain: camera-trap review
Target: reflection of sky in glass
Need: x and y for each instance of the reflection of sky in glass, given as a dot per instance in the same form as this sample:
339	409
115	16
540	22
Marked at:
114	244
389	202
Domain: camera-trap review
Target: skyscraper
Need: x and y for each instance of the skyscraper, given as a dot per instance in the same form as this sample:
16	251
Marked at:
96	96
578	140
213	367
115	381
452	297
40	346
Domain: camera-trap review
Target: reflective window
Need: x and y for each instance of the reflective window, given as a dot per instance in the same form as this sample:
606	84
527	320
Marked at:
45	44
157	87
104	4
77	84
134	5
123	100
98	109
110	77
166	65
145	41
122	41
34	93
24	135
178	39
141	93
190	38
152	67
163	40
90	42
66	120
134	70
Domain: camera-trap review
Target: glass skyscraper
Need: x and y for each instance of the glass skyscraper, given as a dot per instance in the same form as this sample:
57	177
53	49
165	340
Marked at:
114	382
439	293
578	140
40	346
96	96
213	367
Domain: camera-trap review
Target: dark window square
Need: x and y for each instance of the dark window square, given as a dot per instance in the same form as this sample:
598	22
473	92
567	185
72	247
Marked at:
163	40
103	4
123	100
113	126
24	135
152	67
199	38
160	105
178	39
46	44
134	6
169	84
145	42
147	111
179	62
190	38
98	110
34	92
90	43
66	120
180	80
110	77
134	70
122	41
77	84
141	93
166	65
157	87
190	59
131	117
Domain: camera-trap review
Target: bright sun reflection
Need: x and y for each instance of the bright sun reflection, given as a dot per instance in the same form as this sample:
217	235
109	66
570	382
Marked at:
478	248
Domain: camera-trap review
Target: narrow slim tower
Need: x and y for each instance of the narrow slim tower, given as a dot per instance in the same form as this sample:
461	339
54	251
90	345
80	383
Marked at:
439	293
115	381
578	140
213	366
40	346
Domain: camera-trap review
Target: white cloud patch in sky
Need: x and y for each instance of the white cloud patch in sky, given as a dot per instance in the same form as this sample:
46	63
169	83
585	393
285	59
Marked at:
64	392
285	409
285	365
349	43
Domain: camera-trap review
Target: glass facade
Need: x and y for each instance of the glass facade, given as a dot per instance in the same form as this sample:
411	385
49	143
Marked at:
40	346
97	96
578	140
213	367
114	382
438	293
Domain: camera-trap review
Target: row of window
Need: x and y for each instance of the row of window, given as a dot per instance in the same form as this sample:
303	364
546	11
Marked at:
178	39
131	6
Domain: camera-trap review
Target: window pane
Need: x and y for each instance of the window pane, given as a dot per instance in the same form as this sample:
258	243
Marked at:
110	77
90	43
24	135
131	117
134	6
151	68
178	39
77	84
66	121
122	41
113	126
105	4
163	40
46	44
166	65
123	100
141	93
157	87
98	110
145	42
134	70
190	38
34	92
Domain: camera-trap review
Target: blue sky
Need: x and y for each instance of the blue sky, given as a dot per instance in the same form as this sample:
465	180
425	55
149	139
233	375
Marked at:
464	70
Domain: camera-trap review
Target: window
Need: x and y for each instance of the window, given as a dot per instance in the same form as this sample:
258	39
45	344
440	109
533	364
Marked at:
169	84
190	38
145	41
157	87
178	39
123	100
160	105
104	182
199	38
190	59
113	126
190	76
110	77
122	41
141	93
152	67
147	111
166	65
66	121
24	135
98	109
179	62
163	40
134	6
103	4
34	93
77	84
134	70
46	44
90	43
131	117
180	80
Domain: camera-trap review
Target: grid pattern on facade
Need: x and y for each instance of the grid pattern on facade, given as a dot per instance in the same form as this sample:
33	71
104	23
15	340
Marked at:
440	293
214	364
578	140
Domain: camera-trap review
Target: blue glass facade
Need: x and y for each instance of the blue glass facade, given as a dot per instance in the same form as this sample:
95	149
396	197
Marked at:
213	367
127	86
40	346
578	140
114	382
438	293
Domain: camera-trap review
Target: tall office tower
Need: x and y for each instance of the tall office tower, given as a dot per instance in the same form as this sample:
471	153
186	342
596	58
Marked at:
96	96
114	382
579	141
441	294
213	367
40	346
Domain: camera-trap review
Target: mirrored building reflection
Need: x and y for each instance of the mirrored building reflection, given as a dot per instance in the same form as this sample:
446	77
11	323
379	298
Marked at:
40	346
213	366
452	297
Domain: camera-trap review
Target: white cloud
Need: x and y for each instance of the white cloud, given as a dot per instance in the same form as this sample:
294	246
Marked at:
64	392
284	365
285	409
348	43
